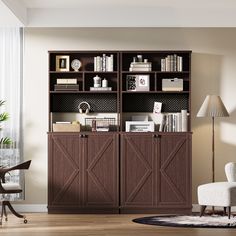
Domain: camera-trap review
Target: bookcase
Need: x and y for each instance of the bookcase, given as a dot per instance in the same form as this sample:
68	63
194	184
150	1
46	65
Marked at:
118	171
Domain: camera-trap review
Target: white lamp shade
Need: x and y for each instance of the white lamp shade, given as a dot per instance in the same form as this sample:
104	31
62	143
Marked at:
213	107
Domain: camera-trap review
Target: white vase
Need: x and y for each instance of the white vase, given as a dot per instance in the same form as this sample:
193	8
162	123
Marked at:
97	81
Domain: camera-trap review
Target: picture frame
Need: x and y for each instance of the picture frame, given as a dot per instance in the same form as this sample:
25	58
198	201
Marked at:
138	82
62	63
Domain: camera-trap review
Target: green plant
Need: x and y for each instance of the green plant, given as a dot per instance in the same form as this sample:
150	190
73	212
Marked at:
3	117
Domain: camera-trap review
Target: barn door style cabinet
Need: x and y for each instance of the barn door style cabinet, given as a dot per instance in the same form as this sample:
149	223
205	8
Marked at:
155	170
83	173
101	165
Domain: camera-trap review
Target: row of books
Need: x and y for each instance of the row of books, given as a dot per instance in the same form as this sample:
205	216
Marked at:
174	122
172	63
104	63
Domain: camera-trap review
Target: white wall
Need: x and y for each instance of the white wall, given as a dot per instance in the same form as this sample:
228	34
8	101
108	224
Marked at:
213	72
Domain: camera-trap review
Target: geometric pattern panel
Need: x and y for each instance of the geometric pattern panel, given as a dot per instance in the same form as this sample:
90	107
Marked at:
70	102
137	168
101	170
66	172
144	102
173	166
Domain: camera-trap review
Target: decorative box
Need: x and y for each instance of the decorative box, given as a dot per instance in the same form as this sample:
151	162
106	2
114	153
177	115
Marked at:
174	84
66	127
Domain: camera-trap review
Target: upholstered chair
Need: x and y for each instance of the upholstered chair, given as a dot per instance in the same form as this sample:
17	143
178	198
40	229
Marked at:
10	188
219	194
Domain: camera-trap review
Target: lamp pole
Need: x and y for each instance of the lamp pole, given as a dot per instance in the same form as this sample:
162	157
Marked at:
213	149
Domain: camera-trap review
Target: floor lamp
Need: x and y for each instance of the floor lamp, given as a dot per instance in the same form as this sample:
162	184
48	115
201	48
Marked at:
212	107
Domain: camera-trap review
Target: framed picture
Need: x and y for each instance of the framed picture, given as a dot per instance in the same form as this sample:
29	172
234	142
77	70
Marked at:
63	63
137	83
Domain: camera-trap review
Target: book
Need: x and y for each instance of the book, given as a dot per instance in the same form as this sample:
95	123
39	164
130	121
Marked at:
110	66
66	81
66	87
184	120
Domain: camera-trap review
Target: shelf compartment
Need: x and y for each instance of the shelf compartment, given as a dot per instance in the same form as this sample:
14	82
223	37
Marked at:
154	57
111	79
144	102
86	58
151	80
68	102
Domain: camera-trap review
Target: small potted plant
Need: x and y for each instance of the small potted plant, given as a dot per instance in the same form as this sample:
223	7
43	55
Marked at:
3	117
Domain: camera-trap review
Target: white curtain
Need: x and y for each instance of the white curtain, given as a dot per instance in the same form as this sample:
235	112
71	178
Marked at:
11	93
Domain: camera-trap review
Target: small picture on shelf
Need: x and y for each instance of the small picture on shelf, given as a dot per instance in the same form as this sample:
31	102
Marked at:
137	82
157	107
63	63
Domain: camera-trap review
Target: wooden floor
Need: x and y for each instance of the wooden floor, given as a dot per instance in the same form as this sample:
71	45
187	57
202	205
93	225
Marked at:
91	225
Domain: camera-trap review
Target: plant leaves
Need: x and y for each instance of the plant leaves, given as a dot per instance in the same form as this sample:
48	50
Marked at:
4	116
2	102
5	140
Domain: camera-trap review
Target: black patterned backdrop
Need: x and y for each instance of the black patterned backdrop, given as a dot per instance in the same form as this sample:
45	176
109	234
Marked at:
70	102
144	102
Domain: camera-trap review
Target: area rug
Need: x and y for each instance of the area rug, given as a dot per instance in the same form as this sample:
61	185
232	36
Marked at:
192	221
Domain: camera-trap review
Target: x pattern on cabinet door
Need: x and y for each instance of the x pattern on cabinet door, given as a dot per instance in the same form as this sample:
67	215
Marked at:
173	170
100	158
68	168
138	170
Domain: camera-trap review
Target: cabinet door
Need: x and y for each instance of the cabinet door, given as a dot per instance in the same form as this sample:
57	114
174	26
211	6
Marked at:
138	167
64	170
101	171
175	171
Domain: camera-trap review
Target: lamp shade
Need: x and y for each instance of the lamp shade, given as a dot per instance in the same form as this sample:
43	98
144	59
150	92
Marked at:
213	107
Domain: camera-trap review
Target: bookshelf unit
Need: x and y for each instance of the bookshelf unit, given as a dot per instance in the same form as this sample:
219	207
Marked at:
119	171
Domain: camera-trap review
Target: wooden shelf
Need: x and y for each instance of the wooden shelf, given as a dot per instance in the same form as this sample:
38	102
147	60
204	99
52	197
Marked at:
135	92
153	72
176	92
90	92
66	72
81	72
138	72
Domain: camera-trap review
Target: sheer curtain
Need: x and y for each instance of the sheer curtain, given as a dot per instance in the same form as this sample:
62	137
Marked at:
11	92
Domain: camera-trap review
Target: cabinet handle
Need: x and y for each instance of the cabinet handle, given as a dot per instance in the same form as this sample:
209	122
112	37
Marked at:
85	136
154	136
81	135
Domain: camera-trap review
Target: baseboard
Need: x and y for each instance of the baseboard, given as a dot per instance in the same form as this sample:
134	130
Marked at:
43	208
30	207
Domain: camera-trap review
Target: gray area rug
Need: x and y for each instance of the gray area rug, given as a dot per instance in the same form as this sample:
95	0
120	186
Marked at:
192	221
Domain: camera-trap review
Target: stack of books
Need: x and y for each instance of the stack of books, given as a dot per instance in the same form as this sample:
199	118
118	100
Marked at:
172	63
140	66
104	63
66	84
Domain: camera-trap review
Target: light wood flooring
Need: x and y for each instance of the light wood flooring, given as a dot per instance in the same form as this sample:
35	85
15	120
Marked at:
96	225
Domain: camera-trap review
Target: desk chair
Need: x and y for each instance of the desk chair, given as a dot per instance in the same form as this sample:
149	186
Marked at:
11	188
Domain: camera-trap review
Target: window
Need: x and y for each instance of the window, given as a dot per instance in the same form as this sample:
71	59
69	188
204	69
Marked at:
11	44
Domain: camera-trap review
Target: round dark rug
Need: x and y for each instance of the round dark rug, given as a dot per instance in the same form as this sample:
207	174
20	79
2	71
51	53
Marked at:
192	221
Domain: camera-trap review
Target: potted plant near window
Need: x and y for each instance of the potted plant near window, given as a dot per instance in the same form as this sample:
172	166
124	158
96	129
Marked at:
3	117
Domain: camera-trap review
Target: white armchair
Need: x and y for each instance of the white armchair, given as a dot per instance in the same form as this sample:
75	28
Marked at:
221	194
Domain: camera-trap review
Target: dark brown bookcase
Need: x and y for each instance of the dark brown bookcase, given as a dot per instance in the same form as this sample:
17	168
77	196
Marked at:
118	171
